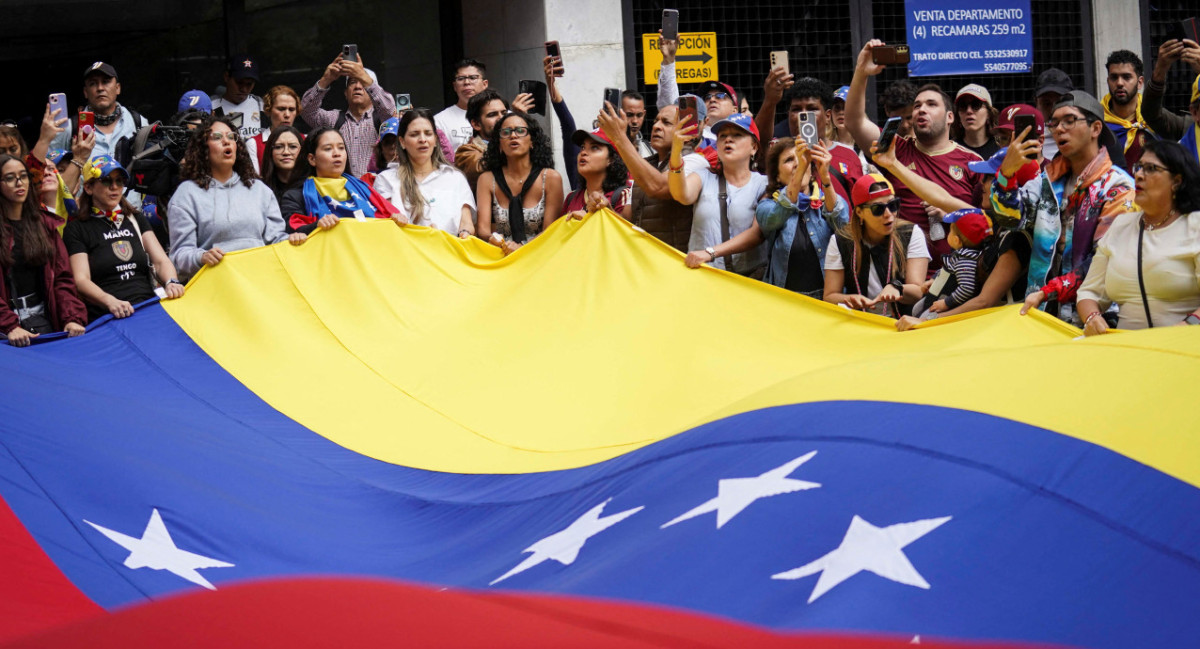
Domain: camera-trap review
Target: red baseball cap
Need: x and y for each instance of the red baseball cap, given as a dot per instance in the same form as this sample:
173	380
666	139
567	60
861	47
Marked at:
597	135
717	86
1010	113
861	193
973	225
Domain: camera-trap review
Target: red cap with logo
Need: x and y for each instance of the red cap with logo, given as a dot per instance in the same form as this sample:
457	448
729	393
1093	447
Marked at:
862	193
1009	114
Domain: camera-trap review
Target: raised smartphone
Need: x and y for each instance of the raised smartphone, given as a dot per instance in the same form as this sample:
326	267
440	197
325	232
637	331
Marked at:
87	123
552	49
687	108
403	102
779	59
350	52
58	105
538	90
807	127
613	96
670	24
890	54
888	133
1020	123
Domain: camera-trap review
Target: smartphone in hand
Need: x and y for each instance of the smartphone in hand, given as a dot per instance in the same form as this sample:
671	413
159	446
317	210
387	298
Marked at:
670	24
888	133
87	123
350	52
807	127
779	59
1020	123
890	54
539	92
687	108
613	96
553	50
58	106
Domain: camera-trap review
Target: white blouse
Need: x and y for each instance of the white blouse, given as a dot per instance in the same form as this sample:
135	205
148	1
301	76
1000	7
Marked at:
1170	270
446	191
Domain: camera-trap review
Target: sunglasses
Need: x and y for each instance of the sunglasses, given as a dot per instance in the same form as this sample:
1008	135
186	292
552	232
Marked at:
716	95
113	181
972	104
877	209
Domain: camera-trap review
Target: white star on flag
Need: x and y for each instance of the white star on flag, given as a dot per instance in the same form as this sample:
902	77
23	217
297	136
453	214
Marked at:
156	550
564	546
736	494
866	547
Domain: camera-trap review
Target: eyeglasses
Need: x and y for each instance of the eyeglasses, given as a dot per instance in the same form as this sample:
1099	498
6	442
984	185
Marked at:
12	180
1148	168
972	104
877	209
217	136
285	146
514	131
111	181
716	95
1066	122
463	78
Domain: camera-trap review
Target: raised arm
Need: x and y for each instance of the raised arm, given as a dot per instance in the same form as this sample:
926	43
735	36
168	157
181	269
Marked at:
860	126
310	103
927	190
645	175
668	89
685	188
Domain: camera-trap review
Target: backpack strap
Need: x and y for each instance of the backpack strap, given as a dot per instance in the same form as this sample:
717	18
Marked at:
341	119
723	202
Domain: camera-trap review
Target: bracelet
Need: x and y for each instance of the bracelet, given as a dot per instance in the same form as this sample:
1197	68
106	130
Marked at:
174	280
460	232
77	163
1192	319
674	170
1090	316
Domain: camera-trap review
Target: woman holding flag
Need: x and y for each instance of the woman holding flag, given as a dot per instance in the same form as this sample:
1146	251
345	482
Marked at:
328	193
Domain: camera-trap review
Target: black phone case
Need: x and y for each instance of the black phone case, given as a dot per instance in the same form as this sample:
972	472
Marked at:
538	90
670	25
613	96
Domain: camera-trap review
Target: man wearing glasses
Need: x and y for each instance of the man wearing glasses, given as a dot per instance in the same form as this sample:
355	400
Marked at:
470	78
1086	193
369	106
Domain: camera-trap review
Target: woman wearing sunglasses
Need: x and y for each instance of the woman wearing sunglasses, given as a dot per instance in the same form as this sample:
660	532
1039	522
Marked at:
875	263
221	206
522	181
1148	262
112	248
37	293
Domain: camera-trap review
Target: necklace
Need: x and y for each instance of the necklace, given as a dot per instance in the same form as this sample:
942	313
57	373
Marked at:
1154	226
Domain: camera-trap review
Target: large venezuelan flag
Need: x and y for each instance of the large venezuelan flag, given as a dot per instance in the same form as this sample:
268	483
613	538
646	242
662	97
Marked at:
589	420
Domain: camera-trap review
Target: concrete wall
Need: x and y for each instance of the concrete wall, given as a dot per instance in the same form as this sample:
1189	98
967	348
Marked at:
1117	25
509	37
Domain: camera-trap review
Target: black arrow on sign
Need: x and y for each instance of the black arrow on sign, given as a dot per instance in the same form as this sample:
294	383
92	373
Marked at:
704	57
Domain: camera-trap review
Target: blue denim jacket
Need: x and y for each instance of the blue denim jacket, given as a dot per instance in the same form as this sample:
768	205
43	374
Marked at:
777	218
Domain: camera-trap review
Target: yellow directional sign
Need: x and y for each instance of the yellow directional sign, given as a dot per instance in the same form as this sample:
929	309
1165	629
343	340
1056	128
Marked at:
695	60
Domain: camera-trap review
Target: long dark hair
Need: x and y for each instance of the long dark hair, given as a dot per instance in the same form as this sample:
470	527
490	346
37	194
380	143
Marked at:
268	164
774	155
35	240
541	154
197	167
1179	163
303	169
616	174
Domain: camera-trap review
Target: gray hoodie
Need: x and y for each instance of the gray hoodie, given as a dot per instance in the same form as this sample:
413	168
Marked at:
228	215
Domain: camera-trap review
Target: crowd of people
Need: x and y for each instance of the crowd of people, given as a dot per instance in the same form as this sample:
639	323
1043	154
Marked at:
1086	208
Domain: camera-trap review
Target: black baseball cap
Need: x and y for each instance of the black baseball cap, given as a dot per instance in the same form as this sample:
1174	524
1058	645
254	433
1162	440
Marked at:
1091	107
100	67
243	67
1054	80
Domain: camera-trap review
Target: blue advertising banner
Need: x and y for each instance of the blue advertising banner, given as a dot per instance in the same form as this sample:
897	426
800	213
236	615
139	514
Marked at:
980	37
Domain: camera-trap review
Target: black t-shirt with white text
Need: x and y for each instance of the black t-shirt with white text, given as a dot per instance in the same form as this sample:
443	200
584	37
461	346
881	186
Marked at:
116	258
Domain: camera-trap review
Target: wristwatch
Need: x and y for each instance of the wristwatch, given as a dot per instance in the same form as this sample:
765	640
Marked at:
712	253
1192	319
899	284
174	280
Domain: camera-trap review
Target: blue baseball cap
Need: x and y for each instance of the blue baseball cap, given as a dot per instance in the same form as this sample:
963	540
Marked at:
740	120
195	100
841	93
390	126
101	167
989	166
59	156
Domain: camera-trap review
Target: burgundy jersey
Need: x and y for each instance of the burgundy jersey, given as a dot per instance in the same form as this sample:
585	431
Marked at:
948	169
